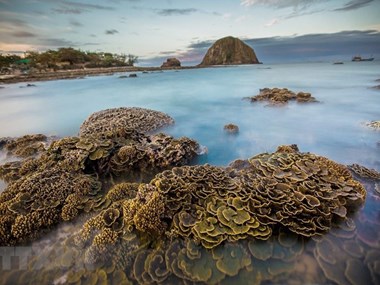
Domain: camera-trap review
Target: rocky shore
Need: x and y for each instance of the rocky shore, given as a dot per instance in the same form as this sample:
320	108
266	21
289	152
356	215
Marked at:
77	73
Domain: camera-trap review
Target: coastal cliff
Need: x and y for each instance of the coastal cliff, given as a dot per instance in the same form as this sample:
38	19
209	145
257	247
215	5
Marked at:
229	51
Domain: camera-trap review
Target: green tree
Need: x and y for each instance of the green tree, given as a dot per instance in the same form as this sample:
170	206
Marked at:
71	55
132	59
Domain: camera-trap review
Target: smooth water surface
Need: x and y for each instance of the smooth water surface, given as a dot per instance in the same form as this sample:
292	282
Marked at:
202	101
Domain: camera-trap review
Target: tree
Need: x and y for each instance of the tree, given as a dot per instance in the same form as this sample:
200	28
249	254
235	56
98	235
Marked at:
71	55
132	59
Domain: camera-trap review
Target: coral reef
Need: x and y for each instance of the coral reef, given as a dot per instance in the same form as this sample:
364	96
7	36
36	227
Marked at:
34	203
204	224
58	176
364	172
25	146
120	119
279	96
300	192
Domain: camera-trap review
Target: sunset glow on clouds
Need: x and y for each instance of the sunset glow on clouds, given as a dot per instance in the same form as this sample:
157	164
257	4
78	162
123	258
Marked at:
153	29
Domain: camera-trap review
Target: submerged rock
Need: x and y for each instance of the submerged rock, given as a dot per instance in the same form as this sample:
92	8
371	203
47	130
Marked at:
229	51
280	96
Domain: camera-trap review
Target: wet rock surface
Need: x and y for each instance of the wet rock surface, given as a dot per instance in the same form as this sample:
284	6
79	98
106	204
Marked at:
281	96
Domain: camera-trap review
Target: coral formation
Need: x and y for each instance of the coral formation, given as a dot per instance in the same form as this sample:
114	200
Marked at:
120	119
374	125
231	128
276	96
25	146
364	172
300	192
34	203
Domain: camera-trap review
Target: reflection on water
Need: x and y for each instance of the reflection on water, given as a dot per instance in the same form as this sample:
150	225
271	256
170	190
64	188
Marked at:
202	102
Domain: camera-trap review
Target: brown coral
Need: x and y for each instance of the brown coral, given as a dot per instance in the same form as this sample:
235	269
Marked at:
34	203
25	146
277	96
120	119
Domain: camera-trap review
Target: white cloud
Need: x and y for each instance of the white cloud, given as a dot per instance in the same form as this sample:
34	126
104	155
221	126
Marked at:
272	22
281	3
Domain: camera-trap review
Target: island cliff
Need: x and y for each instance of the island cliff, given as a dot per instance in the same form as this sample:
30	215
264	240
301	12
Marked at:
229	51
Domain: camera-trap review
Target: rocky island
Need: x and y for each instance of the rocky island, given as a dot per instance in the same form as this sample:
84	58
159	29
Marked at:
229	51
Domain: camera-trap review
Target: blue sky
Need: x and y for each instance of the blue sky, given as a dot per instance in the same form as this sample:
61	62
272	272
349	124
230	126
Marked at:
278	30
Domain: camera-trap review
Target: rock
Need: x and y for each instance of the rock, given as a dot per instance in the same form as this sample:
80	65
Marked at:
229	51
377	87
231	128
28	85
171	62
281	96
133	75
123	76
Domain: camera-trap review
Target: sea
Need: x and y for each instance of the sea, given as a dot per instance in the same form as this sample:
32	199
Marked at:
203	100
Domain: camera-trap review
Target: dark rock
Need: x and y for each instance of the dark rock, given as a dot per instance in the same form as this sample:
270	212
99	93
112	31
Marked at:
133	75
171	62
229	51
377	87
231	128
123	76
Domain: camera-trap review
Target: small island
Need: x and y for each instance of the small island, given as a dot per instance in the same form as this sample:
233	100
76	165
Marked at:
229	51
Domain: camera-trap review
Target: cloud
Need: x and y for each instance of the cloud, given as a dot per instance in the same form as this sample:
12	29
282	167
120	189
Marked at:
23	34
312	47
272	23
176	12
111	32
56	42
67	10
281	3
87	6
75	23
354	4
71	7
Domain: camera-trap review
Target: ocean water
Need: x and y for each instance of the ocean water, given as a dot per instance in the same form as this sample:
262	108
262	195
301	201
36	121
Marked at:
202	101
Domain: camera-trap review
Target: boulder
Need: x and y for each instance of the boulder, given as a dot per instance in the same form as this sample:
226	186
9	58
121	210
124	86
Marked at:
229	51
171	62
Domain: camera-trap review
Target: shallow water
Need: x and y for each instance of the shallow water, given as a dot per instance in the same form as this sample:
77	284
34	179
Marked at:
202	101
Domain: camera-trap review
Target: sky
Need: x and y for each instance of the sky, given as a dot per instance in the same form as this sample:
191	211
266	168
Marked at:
278	30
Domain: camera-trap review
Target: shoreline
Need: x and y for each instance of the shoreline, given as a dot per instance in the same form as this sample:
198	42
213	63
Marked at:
78	73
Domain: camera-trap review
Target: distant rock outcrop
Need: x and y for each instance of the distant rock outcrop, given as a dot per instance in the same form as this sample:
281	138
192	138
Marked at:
171	62
229	51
